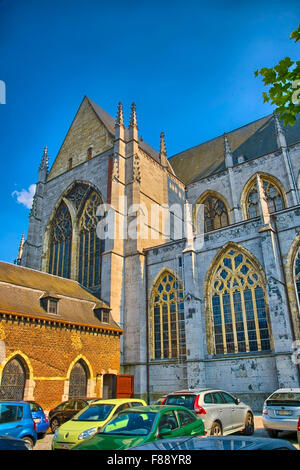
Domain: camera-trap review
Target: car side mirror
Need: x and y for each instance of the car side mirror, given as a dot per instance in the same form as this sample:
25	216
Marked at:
164	432
237	401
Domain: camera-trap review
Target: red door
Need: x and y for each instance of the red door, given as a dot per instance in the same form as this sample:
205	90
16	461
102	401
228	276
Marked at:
125	386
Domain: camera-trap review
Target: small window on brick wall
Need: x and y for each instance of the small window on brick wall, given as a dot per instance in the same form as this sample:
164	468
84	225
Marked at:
52	306
102	315
70	163
90	153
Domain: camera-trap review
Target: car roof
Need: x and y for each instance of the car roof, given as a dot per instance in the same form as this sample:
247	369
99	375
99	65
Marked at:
155	408
195	391
117	401
286	390
17	402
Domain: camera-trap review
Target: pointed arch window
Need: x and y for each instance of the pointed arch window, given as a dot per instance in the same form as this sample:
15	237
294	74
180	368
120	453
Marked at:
13	381
89	244
215	213
273	194
297	274
61	243
78	381
238	307
167	328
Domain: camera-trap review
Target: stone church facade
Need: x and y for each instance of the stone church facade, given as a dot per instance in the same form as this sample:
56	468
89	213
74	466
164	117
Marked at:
209	306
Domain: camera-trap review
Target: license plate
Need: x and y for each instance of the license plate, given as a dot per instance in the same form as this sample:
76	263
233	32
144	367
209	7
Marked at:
284	412
65	446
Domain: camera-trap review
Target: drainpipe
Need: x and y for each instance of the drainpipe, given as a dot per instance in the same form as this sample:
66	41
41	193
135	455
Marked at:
273	217
147	328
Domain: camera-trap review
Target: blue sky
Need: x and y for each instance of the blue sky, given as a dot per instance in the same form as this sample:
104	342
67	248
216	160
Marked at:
189	66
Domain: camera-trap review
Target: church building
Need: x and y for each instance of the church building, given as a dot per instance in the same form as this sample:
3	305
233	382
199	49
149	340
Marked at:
197	255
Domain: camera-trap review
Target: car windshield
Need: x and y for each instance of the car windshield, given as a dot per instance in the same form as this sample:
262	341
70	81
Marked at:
281	398
134	423
181	400
94	413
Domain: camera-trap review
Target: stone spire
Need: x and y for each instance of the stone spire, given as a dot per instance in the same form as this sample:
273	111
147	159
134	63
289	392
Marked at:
163	151
280	134
120	117
133	120
20	252
44	165
227	153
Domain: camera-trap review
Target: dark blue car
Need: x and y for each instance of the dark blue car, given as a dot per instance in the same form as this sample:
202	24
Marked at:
40	419
16	421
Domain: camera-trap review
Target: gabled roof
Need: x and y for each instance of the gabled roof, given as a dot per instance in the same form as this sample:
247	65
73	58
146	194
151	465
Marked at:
21	291
250	141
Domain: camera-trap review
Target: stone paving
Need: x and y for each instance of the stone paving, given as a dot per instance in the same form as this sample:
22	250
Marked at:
45	444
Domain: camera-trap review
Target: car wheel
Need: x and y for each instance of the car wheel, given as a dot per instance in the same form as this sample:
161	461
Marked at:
54	425
249	425
272	432
28	442
216	429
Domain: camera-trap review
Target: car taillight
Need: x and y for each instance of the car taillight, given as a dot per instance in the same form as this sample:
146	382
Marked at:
298	425
34	425
46	419
163	401
265	411
199	410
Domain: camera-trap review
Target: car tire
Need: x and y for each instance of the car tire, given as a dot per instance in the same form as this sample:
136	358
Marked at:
272	433
28	442
249	425
216	429
54	424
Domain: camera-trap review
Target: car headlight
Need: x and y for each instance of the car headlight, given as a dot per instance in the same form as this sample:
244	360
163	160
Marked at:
55	434
87	433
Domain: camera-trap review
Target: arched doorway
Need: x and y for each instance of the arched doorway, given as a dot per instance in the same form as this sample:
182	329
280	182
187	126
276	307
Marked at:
13	381
78	381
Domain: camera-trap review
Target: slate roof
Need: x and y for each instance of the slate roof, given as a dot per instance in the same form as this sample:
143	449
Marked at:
252	140
21	291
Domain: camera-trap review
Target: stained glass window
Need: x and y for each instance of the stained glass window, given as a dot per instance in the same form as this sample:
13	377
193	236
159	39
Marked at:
273	195
167	328
89	244
61	243
215	213
238	305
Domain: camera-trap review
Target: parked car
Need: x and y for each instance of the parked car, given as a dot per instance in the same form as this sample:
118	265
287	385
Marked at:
220	411
10	443
160	400
218	443
40	419
143	424
281	411
85	423
16	421
66	410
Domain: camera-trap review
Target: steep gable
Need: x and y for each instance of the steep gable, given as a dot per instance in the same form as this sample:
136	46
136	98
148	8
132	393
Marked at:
90	128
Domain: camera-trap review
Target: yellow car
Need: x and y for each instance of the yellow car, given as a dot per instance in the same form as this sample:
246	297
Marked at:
85	423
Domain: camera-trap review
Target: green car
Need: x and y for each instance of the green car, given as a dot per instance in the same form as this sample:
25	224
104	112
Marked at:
143	424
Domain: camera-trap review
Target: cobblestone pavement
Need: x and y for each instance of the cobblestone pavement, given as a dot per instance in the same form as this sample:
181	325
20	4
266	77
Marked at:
45	444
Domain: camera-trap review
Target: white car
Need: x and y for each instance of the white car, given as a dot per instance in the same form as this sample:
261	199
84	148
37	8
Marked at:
281	411
220	411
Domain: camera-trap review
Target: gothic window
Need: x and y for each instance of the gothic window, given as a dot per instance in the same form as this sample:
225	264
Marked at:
297	274
61	243
167	329
13	381
78	381
238	306
89	244
215	213
273	194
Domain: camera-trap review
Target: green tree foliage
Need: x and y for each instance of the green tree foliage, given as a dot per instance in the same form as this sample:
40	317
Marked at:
284	82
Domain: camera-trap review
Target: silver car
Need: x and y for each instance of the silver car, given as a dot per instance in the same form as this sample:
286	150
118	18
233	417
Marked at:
220	411
281	411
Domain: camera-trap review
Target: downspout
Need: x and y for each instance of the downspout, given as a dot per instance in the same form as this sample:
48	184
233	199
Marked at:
147	329
273	217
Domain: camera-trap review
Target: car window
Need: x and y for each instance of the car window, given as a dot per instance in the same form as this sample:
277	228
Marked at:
80	405
122	407
284	399
168	420
208	398
130	422
97	412
181	400
228	398
185	418
136	403
10	413
70	405
35	407
217	397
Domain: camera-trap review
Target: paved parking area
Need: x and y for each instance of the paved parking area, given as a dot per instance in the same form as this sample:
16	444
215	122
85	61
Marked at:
45	444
